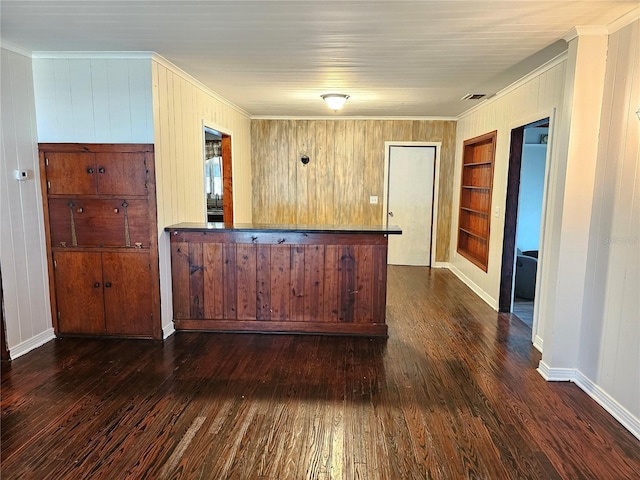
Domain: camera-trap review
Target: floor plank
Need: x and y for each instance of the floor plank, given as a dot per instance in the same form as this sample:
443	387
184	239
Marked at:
452	393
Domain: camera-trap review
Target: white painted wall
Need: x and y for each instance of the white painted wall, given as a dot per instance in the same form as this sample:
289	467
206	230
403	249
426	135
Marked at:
23	261
93	97
609	355
180	106
533	98
589	311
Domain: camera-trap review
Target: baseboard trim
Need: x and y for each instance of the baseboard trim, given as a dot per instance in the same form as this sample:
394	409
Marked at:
617	411
473	286
595	392
32	343
168	330
441	265
538	342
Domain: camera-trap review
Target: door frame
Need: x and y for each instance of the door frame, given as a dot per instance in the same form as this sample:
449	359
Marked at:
436	188
226	133
510	215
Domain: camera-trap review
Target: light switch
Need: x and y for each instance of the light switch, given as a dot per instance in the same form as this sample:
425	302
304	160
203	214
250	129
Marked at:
496	212
373	199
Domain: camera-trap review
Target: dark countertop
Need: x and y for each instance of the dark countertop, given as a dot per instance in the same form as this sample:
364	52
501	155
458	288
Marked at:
275	228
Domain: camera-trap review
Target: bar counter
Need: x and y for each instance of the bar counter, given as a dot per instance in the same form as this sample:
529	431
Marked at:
280	278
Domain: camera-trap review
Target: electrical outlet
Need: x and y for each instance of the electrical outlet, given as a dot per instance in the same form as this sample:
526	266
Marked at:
373	199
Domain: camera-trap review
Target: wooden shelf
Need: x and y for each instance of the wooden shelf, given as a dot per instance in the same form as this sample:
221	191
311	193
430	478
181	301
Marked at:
479	212
477	164
474	217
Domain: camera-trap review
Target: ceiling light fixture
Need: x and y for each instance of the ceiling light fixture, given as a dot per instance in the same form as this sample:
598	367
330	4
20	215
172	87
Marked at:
335	101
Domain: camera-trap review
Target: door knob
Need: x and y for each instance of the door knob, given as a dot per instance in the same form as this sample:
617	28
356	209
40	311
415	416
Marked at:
390	214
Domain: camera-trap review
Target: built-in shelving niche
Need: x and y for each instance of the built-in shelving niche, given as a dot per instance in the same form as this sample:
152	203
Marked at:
474	217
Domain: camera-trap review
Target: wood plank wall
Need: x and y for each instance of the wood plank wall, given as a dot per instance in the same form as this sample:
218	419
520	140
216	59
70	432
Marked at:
346	167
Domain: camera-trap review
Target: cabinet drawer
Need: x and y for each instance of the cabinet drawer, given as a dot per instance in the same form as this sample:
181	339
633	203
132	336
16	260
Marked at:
99	222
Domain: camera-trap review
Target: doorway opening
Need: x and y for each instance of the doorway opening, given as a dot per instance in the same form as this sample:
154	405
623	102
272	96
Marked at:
218	187
523	219
410	201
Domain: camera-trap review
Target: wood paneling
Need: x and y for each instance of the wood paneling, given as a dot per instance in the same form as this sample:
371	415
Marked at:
346	167
180	106
318	285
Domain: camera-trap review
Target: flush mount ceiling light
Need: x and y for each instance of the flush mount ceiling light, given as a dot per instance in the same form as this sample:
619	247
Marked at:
335	101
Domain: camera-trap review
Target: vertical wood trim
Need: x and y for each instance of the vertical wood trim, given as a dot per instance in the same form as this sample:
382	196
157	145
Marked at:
280	281
347	282
246	281
331	283
230	292
263	282
297	283
196	281
227	179
364	283
213	280
180	277
379	283
510	220
314	281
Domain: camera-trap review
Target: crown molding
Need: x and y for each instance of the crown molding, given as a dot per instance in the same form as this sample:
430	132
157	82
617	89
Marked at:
286	117
197	83
624	20
585	30
518	83
15	49
101	55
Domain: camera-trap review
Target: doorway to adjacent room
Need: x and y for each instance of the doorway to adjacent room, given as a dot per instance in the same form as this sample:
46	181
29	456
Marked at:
523	219
218	176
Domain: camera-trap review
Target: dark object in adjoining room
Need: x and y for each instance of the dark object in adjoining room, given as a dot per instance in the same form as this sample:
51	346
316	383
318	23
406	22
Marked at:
526	268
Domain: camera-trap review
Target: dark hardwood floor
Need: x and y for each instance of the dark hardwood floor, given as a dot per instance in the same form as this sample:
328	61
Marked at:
452	393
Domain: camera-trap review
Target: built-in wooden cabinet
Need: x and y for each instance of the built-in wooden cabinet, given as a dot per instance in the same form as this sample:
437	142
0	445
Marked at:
100	220
476	187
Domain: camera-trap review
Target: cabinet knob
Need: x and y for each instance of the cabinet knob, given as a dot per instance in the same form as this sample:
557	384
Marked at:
89	170
96	285
116	210
80	210
101	170
107	285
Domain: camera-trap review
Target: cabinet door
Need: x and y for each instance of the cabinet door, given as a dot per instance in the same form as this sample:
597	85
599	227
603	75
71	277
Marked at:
79	292
127	293
71	173
121	173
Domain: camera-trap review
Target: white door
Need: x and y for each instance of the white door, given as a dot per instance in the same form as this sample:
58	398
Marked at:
410	204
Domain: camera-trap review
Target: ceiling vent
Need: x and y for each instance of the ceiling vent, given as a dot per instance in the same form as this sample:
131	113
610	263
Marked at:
474	96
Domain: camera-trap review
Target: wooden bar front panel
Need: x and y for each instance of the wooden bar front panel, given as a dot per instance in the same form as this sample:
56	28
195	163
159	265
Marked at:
325	284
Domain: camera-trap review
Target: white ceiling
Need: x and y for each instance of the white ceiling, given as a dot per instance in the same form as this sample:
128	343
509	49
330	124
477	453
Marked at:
275	58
